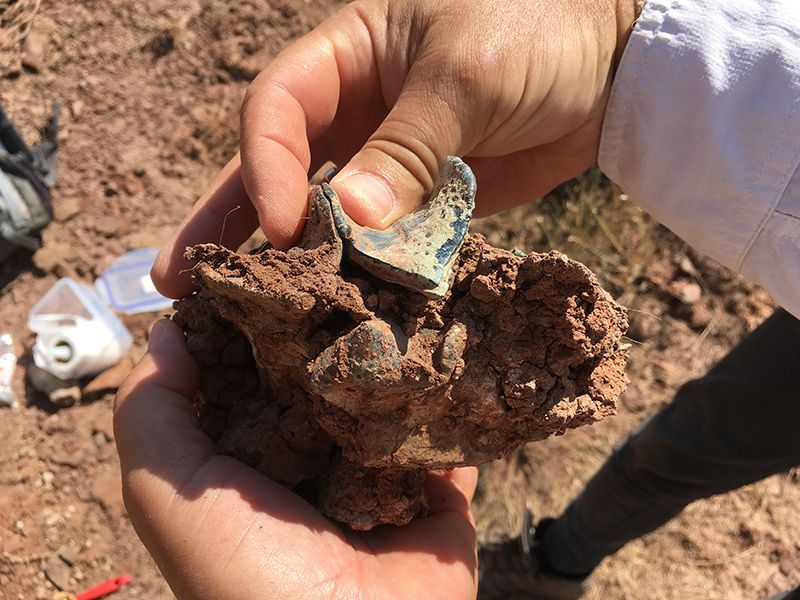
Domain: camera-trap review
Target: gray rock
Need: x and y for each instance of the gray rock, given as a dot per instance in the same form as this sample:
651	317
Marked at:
57	572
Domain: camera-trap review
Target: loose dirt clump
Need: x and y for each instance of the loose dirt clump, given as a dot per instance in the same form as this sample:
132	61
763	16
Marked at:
348	389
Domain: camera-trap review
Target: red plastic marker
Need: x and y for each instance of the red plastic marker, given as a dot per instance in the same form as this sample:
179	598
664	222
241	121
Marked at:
104	589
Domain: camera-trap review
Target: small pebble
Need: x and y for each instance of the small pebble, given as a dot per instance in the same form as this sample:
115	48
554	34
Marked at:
47	480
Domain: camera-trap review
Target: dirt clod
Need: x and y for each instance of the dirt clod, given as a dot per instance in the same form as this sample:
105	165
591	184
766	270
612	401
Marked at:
34	50
354	387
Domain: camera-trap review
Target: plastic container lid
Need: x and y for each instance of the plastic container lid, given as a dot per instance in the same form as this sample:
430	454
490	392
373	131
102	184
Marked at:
126	284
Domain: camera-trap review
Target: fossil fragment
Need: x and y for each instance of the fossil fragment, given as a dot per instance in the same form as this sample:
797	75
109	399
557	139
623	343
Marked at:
418	251
348	388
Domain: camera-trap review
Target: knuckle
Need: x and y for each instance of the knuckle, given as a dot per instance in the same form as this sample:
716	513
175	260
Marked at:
472	73
360	9
408	146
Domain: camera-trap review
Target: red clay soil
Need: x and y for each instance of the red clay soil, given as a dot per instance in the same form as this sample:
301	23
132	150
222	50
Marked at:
150	92
355	387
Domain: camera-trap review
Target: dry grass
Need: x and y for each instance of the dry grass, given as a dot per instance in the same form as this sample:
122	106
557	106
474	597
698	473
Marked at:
590	220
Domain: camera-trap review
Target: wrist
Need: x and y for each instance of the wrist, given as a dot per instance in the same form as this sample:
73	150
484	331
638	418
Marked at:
627	13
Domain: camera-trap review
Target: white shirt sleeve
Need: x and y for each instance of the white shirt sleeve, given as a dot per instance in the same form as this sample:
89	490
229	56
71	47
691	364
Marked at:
702	131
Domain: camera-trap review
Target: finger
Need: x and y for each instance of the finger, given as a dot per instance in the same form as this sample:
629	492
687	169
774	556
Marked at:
292	103
451	491
223	215
465	479
433	117
155	423
448	532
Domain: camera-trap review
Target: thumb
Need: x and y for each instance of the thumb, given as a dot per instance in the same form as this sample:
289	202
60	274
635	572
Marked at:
395	170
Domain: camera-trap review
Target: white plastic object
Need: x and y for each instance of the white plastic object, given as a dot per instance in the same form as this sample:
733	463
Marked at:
77	334
126	284
8	362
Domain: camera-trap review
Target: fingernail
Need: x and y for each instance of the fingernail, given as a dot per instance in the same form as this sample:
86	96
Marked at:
372	193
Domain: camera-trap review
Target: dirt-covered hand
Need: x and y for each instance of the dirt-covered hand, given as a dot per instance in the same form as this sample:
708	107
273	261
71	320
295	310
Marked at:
218	529
388	88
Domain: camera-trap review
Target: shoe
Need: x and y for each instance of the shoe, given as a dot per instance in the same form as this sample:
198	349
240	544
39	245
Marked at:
513	569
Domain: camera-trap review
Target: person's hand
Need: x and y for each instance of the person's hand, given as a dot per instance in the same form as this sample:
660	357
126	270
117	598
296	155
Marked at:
388	88
218	529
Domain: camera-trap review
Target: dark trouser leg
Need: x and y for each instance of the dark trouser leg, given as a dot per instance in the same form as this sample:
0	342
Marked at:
738	424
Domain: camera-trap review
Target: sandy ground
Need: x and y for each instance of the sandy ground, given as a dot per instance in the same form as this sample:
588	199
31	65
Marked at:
150	92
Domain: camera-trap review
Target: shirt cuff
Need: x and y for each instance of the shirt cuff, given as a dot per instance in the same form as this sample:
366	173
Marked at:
702	131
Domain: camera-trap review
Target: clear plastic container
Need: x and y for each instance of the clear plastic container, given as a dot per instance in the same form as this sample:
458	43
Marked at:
126	284
77	334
